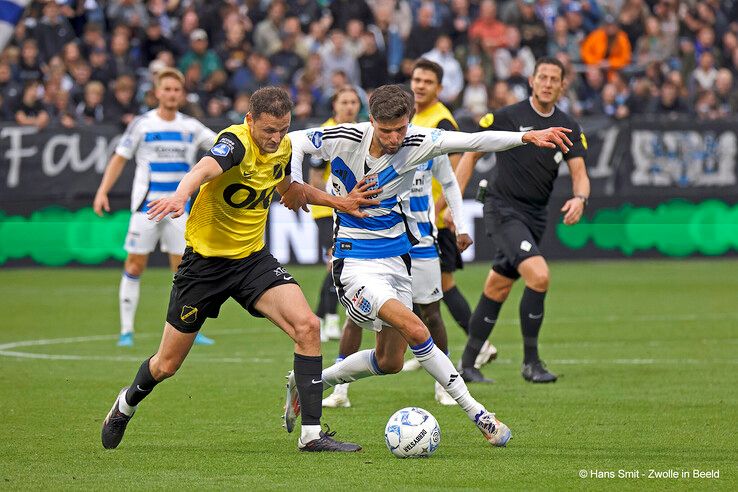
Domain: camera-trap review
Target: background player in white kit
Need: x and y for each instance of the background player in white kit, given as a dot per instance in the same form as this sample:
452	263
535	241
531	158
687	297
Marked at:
164	143
371	266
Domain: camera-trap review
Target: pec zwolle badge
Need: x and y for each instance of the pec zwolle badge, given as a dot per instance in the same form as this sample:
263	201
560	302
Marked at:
189	314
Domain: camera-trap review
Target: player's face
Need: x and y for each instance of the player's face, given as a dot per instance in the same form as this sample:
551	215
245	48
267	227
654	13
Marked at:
169	93
547	83
346	107
425	86
268	130
390	133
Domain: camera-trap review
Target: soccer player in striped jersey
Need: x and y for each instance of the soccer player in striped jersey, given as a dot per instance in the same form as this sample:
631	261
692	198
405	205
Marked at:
371	265
164	143
346	105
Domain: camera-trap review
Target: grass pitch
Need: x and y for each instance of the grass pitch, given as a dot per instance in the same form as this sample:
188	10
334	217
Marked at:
646	352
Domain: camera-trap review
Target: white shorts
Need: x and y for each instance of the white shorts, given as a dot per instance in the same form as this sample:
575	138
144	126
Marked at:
426	275
363	286
143	234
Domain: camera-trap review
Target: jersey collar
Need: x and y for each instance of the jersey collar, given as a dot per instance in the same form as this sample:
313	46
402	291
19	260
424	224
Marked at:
544	115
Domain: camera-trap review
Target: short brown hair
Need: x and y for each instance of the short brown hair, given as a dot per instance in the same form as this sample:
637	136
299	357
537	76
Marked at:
168	72
390	102
270	100
550	61
431	66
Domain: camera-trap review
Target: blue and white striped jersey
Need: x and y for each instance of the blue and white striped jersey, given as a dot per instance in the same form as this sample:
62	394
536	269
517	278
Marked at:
422	207
389	230
164	152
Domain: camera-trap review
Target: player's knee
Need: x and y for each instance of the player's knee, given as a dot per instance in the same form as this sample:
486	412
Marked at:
433	317
538	280
390	363
498	293
164	368
307	329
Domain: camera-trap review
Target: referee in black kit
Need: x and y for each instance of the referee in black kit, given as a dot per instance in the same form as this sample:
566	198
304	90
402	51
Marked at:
515	215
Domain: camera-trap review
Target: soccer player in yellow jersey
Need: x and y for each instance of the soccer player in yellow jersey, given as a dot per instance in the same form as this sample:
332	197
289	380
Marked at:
226	257
346	104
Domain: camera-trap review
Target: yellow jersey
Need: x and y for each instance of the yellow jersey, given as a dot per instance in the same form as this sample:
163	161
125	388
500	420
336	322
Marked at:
228	217
319	211
436	116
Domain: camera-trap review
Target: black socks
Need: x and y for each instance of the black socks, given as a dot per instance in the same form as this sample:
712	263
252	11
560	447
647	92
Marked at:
328	300
480	327
142	385
531	318
458	307
308	376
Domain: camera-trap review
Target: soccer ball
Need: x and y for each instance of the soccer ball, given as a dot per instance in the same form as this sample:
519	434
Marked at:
412	433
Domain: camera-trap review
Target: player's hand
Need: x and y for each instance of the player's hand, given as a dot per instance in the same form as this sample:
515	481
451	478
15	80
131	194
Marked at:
294	198
172	205
463	241
363	195
101	203
448	220
549	138
573	209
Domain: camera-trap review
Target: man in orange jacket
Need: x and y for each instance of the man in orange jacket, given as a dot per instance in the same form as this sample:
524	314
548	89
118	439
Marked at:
607	47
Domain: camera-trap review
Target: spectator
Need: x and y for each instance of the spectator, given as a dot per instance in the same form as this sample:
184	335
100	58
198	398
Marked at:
653	45
237	113
29	66
504	55
726	93
121	108
489	31
453	77
388	33
706	105
517	81
285	61
611	104
501	96
154	42
312	77
81	75
641	98
91	110
344	11
607	47
30	110
266	33
307	12
10	90
190	22
262	73
102	68
563	40
216	107
665	12
354	30
131	13
533	32
92	38
632	19
460	22
372	64
234	51
291	27
669	103
71	53
703	77
120	50
475	96
53	31
337	58
211	69
423	35
158	15
590	92
705	42
61	112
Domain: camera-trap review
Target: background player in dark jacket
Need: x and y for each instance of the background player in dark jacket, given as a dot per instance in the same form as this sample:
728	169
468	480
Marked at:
515	215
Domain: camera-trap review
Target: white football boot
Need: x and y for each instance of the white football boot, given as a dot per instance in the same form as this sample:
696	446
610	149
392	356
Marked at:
339	398
486	354
443	397
333	326
494	431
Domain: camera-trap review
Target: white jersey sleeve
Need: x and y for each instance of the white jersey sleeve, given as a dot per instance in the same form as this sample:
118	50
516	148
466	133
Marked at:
130	139
444	174
204	137
308	141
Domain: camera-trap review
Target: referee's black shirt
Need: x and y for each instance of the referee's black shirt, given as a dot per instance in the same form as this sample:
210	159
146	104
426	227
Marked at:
524	176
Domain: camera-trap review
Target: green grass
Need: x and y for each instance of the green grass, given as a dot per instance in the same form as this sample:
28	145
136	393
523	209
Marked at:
646	351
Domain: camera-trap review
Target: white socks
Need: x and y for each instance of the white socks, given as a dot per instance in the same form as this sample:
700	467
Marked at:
440	367
356	366
130	287
309	433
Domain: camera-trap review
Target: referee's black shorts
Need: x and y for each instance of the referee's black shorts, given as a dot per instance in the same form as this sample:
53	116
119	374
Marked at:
449	252
515	239
201	285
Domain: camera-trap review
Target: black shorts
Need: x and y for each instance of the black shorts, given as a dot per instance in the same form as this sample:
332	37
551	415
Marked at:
514	238
449	252
325	236
201	285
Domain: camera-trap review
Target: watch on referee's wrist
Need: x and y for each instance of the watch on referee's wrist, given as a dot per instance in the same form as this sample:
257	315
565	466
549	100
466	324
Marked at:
584	199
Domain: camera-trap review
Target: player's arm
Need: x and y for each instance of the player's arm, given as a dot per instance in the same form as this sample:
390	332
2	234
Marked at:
303	142
110	177
205	170
359	197
574	207
443	172
497	141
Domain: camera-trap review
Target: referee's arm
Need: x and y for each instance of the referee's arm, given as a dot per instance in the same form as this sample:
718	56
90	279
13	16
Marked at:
574	207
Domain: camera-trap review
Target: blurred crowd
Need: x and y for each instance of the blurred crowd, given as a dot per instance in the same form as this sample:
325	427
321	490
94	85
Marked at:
86	62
